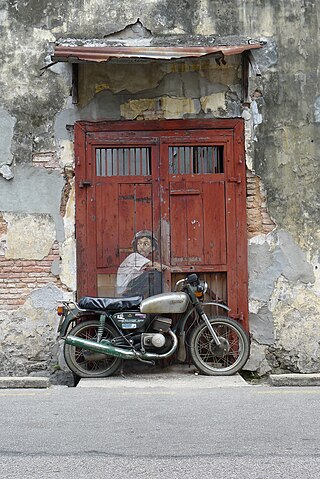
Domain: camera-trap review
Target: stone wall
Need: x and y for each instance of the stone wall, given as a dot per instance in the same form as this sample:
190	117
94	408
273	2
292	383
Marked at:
37	245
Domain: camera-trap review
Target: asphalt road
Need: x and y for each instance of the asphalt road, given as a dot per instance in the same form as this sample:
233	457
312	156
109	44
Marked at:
247	432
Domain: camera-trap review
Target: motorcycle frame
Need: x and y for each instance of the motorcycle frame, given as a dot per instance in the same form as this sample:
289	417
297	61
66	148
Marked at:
76	313
197	306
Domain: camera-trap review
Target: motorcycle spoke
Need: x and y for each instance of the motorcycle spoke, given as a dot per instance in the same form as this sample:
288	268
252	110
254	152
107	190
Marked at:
206	346
88	363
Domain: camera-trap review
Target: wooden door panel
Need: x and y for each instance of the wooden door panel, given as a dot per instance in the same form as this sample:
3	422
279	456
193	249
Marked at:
106	224
122	210
198	225
135	214
186	220
214	223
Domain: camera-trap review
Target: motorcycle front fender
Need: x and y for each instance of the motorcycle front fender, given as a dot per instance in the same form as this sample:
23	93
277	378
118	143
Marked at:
214	303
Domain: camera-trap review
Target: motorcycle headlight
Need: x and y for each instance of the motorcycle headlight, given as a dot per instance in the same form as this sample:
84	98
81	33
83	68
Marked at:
201	289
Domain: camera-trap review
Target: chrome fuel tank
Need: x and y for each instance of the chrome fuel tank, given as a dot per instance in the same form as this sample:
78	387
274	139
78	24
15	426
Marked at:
165	303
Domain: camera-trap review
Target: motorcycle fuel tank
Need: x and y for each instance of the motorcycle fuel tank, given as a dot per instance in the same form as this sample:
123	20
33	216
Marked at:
165	303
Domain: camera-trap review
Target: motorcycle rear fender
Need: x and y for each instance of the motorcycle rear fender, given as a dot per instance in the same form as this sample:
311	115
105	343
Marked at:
69	318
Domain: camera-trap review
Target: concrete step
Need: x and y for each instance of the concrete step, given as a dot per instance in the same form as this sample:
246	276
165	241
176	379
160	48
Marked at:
295	379
21	382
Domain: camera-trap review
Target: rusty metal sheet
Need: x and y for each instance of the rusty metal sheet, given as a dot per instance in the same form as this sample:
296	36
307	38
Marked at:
72	53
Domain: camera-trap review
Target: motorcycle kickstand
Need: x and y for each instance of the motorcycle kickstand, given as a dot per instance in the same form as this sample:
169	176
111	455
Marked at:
121	369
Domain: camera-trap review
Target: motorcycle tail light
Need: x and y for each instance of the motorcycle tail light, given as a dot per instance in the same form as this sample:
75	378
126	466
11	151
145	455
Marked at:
60	310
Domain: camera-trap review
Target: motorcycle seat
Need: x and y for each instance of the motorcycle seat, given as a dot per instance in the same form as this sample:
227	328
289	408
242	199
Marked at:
112	304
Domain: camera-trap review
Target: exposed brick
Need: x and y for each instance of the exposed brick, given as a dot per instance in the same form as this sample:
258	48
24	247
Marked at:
32	274
4	263
258	218
16	302
19	277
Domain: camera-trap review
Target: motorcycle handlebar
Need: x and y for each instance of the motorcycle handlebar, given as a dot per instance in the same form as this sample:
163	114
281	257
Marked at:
191	279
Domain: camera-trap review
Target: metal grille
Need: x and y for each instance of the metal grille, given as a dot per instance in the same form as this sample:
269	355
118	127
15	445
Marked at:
199	160
123	161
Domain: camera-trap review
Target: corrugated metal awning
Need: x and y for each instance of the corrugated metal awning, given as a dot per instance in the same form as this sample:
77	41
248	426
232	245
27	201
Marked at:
103	53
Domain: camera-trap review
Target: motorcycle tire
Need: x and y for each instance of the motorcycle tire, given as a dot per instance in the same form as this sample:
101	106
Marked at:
226	360
87	364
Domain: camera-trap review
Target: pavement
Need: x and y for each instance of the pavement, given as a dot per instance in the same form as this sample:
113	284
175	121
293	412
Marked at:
182	376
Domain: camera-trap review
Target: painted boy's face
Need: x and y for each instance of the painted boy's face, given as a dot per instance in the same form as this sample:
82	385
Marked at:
144	246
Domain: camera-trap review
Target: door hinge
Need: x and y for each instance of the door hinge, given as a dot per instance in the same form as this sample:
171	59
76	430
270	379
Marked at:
234	180
84	183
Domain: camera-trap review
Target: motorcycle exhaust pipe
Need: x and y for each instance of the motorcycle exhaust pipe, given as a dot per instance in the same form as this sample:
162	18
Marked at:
106	347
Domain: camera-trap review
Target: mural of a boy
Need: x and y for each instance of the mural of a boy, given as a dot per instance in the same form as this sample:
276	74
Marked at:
139	273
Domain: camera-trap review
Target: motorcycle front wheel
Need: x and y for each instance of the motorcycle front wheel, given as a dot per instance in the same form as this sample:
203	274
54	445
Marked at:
88	364
223	360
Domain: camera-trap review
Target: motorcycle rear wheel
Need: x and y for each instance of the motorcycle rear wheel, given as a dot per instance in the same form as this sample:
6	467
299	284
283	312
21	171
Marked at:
212	360
85	363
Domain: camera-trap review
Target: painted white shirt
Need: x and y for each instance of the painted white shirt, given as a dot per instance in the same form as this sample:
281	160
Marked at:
130	269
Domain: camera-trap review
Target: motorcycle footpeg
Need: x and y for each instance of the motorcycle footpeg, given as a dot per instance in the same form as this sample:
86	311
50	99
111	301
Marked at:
146	361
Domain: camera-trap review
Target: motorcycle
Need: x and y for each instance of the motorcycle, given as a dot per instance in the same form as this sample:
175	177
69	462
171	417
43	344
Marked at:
99	333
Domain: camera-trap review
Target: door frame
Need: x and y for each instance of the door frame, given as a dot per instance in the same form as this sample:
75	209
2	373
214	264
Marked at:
87	133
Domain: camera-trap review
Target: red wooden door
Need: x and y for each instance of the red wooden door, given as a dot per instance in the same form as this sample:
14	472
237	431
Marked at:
182	181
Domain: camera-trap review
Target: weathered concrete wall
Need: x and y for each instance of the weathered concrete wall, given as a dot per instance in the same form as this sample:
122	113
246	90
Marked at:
37	248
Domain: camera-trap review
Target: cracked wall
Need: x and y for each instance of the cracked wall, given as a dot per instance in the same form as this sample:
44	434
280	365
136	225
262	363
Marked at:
37	243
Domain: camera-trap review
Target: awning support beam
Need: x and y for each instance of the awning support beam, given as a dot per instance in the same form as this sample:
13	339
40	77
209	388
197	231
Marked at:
75	83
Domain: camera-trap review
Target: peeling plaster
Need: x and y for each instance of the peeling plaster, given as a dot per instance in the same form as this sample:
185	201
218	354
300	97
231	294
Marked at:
256	117
66	153
267	58
315	261
257	361
261	325
284	304
28	335
134	108
46	297
214	102
68	248
295	308
179	107
68	264
7	123
34	191
29	236
271	256
317	109
167	107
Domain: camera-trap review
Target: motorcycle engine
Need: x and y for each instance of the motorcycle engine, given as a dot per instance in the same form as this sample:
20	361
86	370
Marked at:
156	340
161	324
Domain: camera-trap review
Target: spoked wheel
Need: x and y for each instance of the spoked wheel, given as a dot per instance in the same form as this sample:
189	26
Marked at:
223	360
88	364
